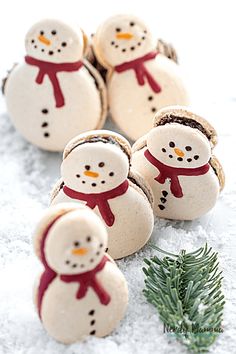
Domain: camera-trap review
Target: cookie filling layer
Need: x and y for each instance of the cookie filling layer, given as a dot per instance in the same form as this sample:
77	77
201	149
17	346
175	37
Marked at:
136	183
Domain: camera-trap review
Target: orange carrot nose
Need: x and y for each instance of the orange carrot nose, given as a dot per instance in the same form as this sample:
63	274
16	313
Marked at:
124	35
79	251
44	40
179	152
91	174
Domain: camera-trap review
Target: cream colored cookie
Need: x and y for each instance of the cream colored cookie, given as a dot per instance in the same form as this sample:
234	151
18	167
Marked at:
55	94
141	80
81	291
96	171
176	159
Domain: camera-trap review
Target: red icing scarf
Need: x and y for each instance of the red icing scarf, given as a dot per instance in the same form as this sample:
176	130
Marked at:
173	173
51	70
100	199
85	280
141	71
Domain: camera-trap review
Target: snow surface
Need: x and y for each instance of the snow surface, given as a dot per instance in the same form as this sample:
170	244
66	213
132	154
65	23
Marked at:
27	175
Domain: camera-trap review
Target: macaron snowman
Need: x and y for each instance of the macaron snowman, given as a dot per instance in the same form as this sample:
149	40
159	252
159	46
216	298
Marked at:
141	80
81	291
55	94
96	171
176	159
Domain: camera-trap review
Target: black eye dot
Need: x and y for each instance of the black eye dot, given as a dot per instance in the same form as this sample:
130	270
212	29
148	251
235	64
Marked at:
154	109
118	29
111	174
93	184
132	24
32	41
188	148
112	43
54	32
88	239
171	144
42	33
64	44
46	135
196	157
179	159
101	164
76	243
170	156
163	150
78	176
87	167
189	160
103	182
150	98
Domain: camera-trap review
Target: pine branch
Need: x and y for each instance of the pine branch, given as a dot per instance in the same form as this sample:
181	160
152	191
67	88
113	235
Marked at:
186	290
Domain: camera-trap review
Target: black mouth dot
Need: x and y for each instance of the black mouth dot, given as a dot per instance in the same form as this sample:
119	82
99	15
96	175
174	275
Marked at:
139	43
83	182
98	253
154	109
91	260
145	31
67	261
116	46
171	144
163	150
123	50
50	52
188	148
87	167
101	164
46	135
143	38
32	41
101	245
42	50
179	159
88	239
74	265
64	44
170	156
103	182
35	47
189	160
81	265
132	24
45	111
132	48
112	43
196	157
111	174
93	184
78	176
59	50
44	125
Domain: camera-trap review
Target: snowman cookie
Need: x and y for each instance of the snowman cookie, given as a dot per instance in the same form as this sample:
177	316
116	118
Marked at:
55	94
81	291
96	171
176	159
141	80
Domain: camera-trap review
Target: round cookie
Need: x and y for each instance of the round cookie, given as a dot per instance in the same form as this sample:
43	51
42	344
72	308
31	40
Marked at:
176	159
96	171
141	80
81	291
55	94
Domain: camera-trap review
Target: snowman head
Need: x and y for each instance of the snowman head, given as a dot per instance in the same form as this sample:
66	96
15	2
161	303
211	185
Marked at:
181	139
122	38
55	42
96	163
74	241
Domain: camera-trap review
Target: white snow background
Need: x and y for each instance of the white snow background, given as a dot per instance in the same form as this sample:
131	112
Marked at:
203	33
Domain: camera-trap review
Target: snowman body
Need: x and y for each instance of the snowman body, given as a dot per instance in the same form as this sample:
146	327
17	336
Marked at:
200	193
132	214
61	310
133	105
33	110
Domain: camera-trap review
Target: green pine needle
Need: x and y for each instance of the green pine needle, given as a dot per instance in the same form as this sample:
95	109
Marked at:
186	290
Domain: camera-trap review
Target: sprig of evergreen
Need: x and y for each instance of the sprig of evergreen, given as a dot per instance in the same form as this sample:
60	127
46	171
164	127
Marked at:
186	290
